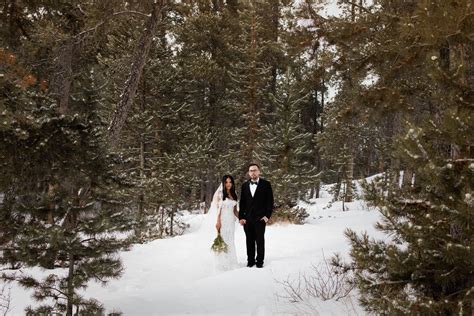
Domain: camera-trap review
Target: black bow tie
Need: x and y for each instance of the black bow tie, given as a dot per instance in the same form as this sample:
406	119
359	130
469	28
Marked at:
254	182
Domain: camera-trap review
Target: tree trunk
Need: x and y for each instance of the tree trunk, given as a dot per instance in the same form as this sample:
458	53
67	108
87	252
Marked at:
467	58
337	188
275	7
141	196
407	177
368	165
173	211
445	56
209	189
140	56
52	205
394	130
322	104
63	73
395	173
161	210
253	93
344	199
70	286
353	11
142	158
202	195
348	195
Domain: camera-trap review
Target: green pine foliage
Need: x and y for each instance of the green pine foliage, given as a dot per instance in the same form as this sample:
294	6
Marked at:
203	64
423	57
344	144
426	266
59	209
286	148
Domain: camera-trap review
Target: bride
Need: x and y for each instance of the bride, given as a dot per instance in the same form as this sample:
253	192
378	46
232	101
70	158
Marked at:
224	214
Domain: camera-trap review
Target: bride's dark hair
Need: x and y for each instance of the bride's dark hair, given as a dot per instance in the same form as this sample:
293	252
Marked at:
232	189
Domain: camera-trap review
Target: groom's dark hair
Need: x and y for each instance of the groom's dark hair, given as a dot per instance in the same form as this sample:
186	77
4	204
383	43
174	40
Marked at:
253	164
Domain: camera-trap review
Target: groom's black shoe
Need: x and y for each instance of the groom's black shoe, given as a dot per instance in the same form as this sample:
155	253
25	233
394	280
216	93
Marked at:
250	264
259	265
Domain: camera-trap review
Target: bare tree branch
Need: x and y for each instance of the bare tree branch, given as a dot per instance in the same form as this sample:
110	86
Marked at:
358	6
5	299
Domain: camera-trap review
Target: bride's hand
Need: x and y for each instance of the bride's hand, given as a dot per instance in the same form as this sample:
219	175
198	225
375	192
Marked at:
218	225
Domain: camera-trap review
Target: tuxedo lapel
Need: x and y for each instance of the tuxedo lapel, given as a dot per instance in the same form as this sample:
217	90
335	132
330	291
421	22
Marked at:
249	191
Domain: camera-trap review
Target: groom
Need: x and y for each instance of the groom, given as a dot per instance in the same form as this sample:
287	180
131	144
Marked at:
256	206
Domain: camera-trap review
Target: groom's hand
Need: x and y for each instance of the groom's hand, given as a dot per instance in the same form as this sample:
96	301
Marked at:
265	219
242	222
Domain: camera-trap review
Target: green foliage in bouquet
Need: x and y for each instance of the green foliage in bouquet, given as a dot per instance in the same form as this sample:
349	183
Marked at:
219	244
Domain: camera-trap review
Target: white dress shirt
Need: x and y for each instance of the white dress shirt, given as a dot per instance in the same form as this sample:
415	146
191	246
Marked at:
253	187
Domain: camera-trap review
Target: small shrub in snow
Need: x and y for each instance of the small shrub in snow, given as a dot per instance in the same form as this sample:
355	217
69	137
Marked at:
326	281
293	215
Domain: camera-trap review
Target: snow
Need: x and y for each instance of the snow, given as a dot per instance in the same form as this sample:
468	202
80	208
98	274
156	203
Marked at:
176	276
370	79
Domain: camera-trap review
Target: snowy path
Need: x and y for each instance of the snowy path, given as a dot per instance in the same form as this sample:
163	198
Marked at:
176	277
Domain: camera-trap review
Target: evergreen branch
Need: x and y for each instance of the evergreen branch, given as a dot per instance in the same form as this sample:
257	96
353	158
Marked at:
86	206
88	239
414	202
44	287
315	16
457	292
94	29
36	284
103	281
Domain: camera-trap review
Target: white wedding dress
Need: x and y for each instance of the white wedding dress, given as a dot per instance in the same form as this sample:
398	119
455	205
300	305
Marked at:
226	260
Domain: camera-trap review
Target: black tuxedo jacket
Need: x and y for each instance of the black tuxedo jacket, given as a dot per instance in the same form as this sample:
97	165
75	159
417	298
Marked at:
258	206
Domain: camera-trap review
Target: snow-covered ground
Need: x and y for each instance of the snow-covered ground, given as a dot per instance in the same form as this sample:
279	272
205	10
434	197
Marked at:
176	276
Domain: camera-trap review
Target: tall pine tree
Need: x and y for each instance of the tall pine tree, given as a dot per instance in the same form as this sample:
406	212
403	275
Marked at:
285	148
425	265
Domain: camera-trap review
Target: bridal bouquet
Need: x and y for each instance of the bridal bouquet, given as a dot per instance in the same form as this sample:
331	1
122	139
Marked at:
219	244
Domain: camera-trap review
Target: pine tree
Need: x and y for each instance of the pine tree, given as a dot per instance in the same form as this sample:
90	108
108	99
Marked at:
251	77
46	223
285	149
62	206
307	58
358	53
344	144
140	57
141	137
205	34
425	265
348	132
